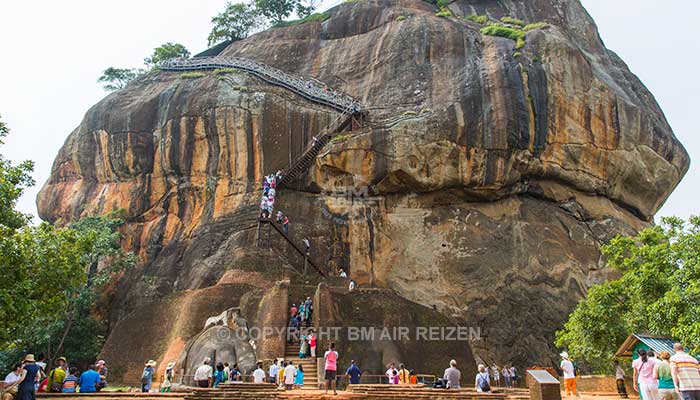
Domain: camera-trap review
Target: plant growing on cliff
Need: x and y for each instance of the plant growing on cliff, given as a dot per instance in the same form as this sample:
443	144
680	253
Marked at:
117	78
658	293
479	19
236	22
506	32
166	52
320	17
276	10
513	21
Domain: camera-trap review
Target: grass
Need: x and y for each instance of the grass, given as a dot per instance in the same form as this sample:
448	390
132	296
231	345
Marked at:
340	138
224	71
192	75
506	32
443	13
479	19
320	17
536	25
513	21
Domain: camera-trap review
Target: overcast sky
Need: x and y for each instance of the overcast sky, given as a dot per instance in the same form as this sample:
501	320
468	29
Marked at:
53	52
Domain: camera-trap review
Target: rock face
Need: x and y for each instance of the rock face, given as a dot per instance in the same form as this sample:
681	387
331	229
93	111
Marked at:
482	183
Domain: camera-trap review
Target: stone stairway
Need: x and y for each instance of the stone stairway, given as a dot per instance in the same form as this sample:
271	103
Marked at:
291	353
231	391
303	162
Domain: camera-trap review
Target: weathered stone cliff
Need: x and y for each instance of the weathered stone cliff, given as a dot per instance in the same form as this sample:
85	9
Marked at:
492	175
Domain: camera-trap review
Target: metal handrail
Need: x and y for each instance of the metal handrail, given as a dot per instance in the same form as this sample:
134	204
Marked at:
308	88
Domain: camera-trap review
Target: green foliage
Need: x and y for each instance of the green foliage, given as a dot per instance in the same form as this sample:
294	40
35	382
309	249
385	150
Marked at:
192	75
513	21
276	10
400	18
52	277
658	293
517	54
443	13
305	10
166	52
226	71
320	17
479	19
442	3
13	180
234	23
340	138
117	78
506	32
536	25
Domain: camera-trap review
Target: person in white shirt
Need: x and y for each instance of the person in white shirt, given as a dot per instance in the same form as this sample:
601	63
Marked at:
259	374
289	373
204	374
390	373
569	374
620	380
9	389
274	371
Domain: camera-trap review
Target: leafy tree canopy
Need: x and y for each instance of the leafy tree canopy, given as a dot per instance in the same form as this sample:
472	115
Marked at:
116	78
276	10
52	276
235	23
166	52
658	293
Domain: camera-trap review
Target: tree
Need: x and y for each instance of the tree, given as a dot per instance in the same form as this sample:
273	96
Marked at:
52	276
117	78
658	292
166	52
306	9
235	23
276	10
13	180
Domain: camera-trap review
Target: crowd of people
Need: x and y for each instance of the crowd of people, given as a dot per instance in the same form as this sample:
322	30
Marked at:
32	375
207	375
267	202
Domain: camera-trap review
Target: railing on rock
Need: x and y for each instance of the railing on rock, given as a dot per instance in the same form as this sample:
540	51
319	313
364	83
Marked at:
308	88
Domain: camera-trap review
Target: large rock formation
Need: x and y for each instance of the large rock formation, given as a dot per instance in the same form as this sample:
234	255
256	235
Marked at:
492	174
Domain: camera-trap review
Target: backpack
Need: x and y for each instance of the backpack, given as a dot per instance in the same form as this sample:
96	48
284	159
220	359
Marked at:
483	384
56	387
146	376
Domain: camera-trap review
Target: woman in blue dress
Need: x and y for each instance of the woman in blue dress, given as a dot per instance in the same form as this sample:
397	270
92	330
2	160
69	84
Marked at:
299	378
30	375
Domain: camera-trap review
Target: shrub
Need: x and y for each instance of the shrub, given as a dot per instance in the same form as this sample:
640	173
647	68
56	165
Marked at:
320	17
513	21
536	25
443	13
442	4
192	75
517	54
225	71
340	138
506	32
400	18
479	19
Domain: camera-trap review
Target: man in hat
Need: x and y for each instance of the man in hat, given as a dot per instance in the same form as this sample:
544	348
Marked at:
567	368
57	375
103	371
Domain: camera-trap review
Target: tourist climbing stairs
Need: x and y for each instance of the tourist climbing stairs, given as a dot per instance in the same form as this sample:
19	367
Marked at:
302	163
291	353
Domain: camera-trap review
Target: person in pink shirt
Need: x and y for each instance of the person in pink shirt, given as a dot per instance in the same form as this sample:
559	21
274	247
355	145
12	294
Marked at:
312	344
331	359
643	376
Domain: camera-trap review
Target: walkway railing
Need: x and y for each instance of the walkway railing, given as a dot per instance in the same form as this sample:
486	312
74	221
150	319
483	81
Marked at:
308	88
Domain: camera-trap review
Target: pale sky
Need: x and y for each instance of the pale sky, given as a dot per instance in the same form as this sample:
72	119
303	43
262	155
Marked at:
54	51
